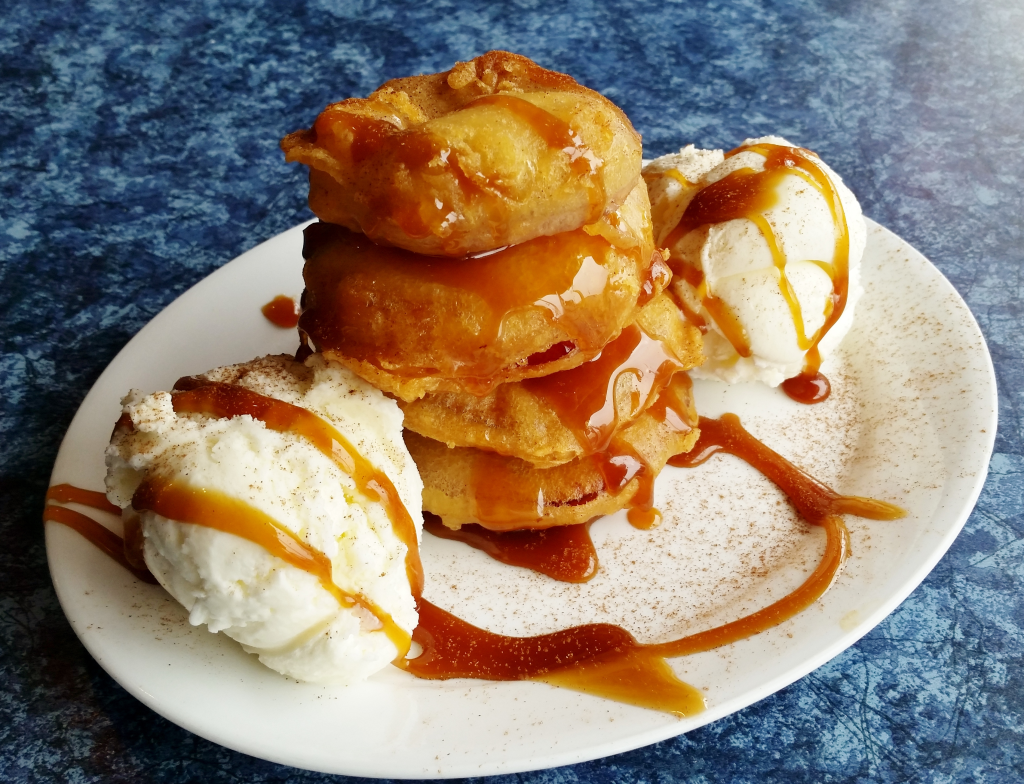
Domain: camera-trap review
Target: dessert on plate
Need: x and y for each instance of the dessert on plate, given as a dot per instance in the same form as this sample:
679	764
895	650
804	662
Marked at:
491	272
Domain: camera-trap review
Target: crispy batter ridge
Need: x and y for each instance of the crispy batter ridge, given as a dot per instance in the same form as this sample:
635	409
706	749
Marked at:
411	324
465	485
518	419
494	152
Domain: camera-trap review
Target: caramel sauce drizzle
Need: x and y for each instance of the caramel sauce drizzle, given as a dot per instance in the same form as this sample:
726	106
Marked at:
565	553
282	312
643	519
228	401
213	509
585	398
749	194
675	174
506	496
623	463
813	500
555	274
600	659
606	660
671	407
418	154
69	494
101	537
689	313
808	389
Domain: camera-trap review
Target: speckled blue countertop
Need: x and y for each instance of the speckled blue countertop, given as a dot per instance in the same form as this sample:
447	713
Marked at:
139	153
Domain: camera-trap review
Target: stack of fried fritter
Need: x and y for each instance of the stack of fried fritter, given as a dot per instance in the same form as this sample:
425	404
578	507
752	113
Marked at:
485	256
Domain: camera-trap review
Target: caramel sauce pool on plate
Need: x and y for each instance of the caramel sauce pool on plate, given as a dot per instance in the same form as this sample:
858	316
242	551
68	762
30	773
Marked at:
282	312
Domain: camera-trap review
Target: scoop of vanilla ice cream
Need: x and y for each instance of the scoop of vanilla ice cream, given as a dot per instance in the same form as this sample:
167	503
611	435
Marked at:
738	266
274	609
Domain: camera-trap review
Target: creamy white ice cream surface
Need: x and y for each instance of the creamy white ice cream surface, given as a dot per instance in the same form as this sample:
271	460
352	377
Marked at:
738	266
280	612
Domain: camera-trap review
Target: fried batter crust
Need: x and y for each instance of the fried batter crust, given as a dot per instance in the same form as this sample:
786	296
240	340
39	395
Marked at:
514	420
494	152
465	485
411	324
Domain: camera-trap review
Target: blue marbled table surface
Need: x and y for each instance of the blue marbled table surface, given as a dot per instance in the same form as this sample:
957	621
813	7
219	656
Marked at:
139	153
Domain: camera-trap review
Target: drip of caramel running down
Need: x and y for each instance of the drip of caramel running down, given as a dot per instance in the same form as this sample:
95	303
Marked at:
749	194
672	410
504	498
643	519
808	389
198	396
282	312
584	398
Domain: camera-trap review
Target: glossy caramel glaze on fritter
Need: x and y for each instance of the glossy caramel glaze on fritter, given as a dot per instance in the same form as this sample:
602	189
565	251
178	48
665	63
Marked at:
465	485
494	152
412	324
552	420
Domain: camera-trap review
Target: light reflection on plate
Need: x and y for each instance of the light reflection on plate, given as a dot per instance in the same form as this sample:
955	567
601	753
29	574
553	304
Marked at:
911	421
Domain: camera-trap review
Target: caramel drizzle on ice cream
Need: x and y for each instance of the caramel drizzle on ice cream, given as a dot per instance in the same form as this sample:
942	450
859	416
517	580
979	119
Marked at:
213	509
225	400
749	194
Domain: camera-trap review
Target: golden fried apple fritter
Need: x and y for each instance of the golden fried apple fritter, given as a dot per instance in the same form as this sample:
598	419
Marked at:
465	485
557	418
494	152
412	324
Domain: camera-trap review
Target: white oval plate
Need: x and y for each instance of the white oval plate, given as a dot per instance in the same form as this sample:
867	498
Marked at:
912	420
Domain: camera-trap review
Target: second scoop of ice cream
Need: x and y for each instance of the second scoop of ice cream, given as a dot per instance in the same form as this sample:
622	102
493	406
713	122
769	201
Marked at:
333	604
763	272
